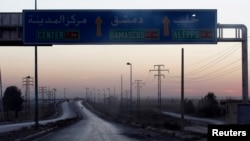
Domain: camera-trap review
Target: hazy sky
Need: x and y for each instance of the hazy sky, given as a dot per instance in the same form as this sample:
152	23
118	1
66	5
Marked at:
212	67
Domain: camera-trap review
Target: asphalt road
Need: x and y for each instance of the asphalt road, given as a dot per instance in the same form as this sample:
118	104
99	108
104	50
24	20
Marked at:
94	128
67	113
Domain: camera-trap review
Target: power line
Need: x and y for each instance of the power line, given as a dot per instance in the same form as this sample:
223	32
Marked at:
159	75
150	81
138	87
212	63
226	72
197	76
213	57
27	82
43	90
219	71
222	70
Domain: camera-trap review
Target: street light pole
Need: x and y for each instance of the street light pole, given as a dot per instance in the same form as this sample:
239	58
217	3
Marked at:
1	91
36	82
104	96
109	96
54	97
99	96
86	94
54	93
128	63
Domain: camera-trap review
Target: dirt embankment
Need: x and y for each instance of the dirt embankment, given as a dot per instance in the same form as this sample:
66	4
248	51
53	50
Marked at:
147	120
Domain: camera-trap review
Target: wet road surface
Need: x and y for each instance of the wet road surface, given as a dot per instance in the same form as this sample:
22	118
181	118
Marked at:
94	128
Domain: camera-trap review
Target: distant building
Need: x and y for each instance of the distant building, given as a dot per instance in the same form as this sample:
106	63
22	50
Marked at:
231	111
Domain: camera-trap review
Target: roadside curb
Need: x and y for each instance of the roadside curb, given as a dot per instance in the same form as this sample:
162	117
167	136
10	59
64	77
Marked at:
53	126
60	124
38	134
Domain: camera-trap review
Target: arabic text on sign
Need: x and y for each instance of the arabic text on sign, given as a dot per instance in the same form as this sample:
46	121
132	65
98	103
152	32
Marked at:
126	20
66	21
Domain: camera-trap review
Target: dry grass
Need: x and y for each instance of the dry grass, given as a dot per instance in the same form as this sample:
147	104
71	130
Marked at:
147	116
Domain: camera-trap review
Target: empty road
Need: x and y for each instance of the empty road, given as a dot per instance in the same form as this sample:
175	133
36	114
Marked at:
93	128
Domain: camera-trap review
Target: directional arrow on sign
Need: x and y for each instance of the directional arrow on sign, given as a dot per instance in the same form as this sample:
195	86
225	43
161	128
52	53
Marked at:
165	26
98	22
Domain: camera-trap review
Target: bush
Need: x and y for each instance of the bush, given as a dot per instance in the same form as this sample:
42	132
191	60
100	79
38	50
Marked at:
208	106
189	107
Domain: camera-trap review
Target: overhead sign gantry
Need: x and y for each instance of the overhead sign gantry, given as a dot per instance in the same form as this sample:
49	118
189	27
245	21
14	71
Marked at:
120	26
48	27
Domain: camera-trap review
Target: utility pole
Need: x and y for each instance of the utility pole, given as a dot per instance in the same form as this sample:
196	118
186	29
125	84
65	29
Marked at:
127	92
109	96
54	98
159	75
114	99
48	96
93	94
54	94
1	91
138	86
121	94
64	93
99	96
36	82
27	82
87	93
104	96
43	90
182	90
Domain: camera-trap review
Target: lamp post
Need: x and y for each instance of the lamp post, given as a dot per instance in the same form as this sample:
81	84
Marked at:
104	96
86	94
54	93
99	96
1	91
54	97
94	95
109	97
128	63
